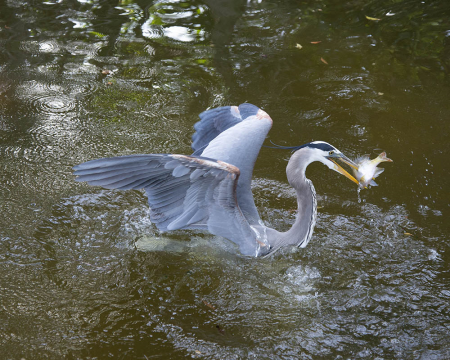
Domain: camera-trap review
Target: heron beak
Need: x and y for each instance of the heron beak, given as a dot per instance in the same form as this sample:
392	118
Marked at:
347	161
340	169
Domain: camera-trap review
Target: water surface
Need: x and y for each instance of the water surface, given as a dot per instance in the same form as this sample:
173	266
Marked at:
84	273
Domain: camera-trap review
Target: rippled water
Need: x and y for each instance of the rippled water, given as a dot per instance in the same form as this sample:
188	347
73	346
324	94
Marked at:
84	273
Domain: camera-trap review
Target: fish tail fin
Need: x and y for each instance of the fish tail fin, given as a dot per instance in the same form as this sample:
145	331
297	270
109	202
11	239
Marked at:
383	157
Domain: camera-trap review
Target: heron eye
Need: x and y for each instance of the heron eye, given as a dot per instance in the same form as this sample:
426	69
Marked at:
331	152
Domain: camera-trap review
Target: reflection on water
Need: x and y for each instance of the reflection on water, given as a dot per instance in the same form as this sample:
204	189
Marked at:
363	282
83	272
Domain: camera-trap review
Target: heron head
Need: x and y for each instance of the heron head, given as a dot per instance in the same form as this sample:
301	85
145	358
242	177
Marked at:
325	153
330	156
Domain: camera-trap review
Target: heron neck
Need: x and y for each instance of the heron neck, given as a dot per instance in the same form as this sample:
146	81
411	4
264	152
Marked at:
301	231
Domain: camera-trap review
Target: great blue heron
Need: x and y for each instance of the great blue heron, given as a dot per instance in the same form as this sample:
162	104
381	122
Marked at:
211	189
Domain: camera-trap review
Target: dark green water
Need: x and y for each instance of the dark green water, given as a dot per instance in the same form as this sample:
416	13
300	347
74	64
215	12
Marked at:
84	274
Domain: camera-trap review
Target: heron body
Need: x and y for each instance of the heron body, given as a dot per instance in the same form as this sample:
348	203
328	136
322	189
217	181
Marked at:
211	189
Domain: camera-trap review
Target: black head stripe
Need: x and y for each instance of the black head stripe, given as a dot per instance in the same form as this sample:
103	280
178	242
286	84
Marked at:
321	145
314	145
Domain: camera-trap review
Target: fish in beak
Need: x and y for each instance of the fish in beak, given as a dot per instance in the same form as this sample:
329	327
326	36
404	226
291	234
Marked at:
367	170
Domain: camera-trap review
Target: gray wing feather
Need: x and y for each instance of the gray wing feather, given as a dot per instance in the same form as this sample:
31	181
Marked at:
184	192
215	121
238	145
212	123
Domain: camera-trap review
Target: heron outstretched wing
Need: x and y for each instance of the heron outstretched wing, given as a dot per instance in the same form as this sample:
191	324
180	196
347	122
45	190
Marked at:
184	192
213	122
234	134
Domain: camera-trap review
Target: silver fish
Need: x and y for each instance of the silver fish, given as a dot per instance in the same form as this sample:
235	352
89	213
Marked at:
367	169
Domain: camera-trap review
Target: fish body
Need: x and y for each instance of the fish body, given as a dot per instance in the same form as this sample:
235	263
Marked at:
367	169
